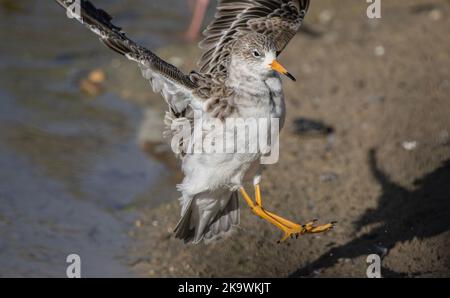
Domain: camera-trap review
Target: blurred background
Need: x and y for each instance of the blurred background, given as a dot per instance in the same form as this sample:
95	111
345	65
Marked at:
84	168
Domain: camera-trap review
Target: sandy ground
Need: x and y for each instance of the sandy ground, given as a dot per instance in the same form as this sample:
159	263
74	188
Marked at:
384	174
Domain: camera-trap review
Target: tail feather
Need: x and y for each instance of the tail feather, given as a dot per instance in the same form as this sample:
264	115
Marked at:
228	218
183	230
197	224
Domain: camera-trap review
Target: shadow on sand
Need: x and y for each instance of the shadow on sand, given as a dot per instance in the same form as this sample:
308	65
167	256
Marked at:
401	215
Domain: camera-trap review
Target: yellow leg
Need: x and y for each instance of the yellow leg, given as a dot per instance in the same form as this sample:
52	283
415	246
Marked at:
289	228
258	210
309	227
258	195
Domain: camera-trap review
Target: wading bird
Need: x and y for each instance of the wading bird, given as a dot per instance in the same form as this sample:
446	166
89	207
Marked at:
239	77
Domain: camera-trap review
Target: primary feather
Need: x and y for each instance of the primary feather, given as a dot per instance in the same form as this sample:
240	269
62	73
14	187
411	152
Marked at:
277	19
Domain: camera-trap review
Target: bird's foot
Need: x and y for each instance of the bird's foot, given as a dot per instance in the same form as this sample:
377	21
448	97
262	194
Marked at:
289	228
308	228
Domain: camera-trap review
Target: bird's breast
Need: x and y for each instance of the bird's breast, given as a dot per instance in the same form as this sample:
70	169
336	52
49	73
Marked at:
260	99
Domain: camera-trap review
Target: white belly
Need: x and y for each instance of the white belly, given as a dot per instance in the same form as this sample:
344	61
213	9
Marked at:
213	170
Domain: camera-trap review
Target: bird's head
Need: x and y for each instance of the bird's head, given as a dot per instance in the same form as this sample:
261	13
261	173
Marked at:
256	54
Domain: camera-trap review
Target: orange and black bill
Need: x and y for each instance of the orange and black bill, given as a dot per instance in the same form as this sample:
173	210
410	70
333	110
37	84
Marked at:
279	68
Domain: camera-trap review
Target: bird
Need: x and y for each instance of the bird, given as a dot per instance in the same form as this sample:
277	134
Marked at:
239	77
199	10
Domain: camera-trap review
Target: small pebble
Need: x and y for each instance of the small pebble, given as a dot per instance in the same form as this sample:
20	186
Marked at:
328	177
435	14
379	51
92	84
97	76
343	260
325	16
409	145
317	272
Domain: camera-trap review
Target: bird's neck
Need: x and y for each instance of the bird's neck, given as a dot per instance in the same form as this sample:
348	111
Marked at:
241	78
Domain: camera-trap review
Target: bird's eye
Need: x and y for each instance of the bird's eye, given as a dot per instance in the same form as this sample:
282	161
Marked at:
256	54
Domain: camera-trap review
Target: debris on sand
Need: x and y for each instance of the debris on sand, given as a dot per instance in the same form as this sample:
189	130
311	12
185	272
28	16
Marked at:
328	177
93	83
409	145
379	51
311	127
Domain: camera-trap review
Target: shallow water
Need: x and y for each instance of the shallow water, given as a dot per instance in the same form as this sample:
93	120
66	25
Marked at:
71	172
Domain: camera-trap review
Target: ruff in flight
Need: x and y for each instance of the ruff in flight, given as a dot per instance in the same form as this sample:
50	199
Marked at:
239	77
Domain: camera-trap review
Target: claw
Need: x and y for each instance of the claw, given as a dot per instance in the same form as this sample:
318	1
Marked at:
308	228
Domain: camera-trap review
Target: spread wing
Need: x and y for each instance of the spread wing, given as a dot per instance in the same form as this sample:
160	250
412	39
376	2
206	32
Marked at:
176	87
278	19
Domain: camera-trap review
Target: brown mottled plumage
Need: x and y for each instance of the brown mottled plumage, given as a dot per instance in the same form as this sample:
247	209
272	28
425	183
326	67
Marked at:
237	78
279	20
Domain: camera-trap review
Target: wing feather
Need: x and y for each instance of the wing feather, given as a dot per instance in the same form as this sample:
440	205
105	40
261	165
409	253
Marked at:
176	87
278	19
